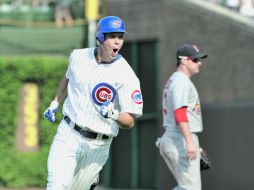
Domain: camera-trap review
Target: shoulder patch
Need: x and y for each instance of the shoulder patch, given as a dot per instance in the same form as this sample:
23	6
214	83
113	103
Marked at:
136	96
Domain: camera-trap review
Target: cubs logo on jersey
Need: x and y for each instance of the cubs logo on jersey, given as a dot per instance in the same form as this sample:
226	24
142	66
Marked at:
102	92
137	96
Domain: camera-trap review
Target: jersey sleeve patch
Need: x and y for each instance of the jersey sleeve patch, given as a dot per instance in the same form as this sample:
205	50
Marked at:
136	96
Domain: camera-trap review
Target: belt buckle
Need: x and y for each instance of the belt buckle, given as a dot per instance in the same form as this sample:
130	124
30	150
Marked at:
81	132
88	133
99	136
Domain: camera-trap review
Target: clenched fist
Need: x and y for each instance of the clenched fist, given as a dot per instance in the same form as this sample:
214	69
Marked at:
107	110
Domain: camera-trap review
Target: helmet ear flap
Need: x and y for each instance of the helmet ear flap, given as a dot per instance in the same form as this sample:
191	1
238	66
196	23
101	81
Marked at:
100	37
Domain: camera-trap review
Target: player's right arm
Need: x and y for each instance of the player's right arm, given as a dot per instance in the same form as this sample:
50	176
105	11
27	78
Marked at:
50	113
62	89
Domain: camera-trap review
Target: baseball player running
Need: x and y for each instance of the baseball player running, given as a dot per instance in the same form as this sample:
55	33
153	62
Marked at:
103	94
182	120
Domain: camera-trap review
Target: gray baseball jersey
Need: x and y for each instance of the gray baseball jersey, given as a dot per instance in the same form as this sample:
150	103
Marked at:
178	92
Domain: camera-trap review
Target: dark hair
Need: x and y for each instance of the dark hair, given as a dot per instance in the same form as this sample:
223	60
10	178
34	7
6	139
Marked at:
178	62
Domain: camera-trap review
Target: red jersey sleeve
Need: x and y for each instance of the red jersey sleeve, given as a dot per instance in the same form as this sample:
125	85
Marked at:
181	115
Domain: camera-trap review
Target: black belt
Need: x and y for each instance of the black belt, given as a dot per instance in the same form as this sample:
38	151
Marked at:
84	133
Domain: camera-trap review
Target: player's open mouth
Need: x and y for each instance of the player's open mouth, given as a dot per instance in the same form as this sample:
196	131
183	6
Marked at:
114	52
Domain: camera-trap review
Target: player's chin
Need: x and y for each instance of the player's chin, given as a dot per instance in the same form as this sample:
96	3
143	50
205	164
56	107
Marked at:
195	72
112	57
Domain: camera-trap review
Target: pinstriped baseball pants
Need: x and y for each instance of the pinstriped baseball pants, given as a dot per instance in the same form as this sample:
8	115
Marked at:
185	171
74	162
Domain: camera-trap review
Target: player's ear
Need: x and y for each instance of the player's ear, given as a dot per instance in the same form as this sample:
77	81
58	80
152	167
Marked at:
97	42
184	61
181	61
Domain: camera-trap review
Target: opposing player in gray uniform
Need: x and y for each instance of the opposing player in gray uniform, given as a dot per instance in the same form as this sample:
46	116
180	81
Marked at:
103	94
182	120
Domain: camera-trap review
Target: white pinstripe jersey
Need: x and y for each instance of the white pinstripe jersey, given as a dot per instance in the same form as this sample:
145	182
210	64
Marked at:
90	84
178	92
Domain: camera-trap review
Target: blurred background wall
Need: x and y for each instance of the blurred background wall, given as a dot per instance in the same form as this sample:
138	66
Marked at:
155	30
225	83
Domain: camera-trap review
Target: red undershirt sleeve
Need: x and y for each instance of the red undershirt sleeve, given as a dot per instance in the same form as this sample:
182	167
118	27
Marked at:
181	115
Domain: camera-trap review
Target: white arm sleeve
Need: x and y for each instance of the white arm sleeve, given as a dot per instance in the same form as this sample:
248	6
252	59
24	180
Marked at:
130	97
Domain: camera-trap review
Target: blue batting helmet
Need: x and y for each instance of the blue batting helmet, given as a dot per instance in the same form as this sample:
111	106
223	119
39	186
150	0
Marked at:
109	24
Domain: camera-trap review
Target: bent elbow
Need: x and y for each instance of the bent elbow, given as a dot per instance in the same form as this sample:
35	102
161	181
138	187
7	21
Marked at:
126	120
131	125
127	125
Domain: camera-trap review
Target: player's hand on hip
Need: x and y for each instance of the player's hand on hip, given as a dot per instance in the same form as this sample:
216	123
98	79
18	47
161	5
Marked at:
50	113
107	110
191	151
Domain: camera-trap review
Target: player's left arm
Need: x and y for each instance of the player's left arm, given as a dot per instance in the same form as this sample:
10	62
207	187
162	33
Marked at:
126	120
131	106
180	93
130	103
